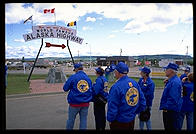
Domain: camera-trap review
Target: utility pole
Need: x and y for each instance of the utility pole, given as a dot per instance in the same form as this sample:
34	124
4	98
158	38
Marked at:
186	54
90	54
121	52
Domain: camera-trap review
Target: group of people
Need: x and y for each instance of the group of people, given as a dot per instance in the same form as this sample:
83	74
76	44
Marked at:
127	98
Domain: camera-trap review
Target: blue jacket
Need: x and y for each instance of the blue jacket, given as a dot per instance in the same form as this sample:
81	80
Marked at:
107	71
182	76
171	97
6	68
188	102
80	87
100	86
147	89
125	100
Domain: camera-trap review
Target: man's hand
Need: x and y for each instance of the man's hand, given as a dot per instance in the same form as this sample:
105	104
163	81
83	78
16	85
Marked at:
164	110
165	81
184	79
66	93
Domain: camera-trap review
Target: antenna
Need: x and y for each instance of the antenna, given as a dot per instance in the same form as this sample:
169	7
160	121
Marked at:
187	51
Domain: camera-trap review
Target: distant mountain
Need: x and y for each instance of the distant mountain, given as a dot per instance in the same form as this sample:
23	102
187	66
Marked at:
148	57
163	56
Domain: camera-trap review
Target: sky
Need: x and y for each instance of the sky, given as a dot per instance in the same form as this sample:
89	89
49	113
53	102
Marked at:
136	28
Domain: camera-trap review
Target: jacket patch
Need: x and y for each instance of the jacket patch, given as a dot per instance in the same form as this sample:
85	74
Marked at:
132	96
191	97
82	86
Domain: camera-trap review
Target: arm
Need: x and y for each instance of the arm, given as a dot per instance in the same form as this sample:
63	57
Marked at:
68	84
97	86
142	101
113	104
150	94
174	94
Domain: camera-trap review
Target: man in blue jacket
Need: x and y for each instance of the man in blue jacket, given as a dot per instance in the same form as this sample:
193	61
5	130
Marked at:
186	72
79	86
147	86
107	72
188	102
111	74
171	100
6	68
125	100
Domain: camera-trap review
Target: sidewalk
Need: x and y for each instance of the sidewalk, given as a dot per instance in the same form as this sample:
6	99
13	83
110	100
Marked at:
40	86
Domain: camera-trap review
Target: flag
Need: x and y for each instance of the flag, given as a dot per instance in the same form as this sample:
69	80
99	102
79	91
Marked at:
30	18
73	23
49	10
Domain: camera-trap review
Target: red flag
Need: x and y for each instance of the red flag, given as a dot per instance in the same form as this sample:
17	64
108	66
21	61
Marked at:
49	10
52	10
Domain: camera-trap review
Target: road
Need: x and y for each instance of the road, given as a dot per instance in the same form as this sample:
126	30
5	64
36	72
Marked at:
50	112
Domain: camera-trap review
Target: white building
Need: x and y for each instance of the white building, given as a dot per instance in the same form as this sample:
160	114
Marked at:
165	62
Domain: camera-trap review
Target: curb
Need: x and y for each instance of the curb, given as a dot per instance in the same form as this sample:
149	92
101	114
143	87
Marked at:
31	94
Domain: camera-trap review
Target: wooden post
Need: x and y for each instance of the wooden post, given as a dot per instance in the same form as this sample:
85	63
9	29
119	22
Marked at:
70	51
35	61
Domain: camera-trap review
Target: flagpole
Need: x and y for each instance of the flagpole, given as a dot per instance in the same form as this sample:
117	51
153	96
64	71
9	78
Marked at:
32	22
76	27
55	17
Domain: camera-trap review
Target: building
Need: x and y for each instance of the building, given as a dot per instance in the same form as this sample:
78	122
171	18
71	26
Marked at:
165	62
102	61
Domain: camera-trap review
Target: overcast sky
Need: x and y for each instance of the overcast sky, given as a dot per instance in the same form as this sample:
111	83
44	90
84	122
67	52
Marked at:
136	28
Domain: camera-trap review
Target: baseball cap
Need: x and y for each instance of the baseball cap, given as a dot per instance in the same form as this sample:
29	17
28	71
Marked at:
145	70
187	69
77	65
99	70
172	66
122	68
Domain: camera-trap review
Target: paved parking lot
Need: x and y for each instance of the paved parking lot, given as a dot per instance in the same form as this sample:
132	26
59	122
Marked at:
50	111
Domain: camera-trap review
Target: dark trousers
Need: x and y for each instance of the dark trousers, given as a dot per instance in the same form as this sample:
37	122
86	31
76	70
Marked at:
100	118
115	125
171	120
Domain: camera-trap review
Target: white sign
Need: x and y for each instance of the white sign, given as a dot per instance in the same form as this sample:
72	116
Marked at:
48	31
54	28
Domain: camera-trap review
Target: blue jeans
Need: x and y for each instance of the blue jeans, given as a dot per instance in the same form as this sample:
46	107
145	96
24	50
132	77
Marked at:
148	123
73	111
189	119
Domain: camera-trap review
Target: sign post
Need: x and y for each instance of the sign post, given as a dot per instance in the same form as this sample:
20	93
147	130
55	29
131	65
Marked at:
52	31
35	61
70	51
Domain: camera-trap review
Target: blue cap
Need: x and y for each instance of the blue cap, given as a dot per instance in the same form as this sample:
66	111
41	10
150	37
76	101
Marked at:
98	69
187	69
122	68
172	66
77	65
145	70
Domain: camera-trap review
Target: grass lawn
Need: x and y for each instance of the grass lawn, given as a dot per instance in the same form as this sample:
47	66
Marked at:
17	83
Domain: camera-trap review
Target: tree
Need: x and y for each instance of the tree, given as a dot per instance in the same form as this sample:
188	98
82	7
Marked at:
23	59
